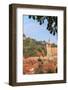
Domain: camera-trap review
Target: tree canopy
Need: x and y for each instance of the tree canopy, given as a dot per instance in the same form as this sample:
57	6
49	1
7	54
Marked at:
52	22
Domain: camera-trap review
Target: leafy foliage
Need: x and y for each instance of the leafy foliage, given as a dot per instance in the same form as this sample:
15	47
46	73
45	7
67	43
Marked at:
31	47
52	22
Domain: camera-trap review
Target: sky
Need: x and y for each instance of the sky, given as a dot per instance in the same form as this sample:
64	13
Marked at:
36	31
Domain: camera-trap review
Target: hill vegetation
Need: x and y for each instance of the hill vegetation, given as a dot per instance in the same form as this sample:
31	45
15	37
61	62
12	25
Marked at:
32	47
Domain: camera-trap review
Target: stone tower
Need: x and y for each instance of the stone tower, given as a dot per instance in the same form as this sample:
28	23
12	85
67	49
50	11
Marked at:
48	46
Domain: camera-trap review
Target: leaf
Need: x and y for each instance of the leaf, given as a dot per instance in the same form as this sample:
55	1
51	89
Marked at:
54	33
51	31
40	23
29	16
33	17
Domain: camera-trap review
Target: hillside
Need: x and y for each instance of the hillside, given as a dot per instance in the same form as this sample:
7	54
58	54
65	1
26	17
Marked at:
32	47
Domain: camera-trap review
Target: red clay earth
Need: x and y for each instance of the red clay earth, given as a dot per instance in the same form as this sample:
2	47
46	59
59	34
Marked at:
35	65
